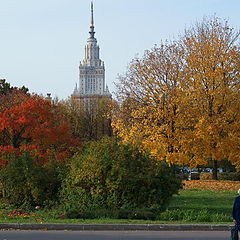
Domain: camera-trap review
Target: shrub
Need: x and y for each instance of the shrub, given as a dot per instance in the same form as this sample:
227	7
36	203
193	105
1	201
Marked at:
205	176
233	176
26	183
109	175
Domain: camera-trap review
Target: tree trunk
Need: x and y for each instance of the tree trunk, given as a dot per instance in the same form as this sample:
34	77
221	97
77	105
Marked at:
214	170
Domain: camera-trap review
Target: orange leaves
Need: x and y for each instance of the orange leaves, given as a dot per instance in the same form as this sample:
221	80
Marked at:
33	119
181	101
21	118
20	213
212	184
35	125
41	156
4	152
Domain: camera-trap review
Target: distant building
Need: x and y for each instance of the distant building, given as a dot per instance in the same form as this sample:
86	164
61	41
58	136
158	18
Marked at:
48	98
92	85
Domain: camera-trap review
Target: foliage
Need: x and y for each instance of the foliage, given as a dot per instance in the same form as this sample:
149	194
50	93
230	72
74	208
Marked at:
181	100
205	176
26	183
5	88
189	206
37	126
109	175
11	96
149	113
233	176
211	89
90	123
212	184
35	142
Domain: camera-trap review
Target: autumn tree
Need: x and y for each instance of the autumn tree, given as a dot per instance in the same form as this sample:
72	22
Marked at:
36	125
181	101
149	95
35	142
10	96
211	90
89	123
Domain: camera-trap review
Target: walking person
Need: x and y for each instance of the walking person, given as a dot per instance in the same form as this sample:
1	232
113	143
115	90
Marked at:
236	217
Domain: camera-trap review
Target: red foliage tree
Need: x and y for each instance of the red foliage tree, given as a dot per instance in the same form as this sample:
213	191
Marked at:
37	126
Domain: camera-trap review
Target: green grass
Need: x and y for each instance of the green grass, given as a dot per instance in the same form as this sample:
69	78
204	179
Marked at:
220	201
201	206
190	206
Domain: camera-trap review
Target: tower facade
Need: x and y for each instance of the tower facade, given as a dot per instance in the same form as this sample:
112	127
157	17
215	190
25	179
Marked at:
92	83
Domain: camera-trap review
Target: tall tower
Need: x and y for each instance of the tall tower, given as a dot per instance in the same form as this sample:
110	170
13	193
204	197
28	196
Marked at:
91	71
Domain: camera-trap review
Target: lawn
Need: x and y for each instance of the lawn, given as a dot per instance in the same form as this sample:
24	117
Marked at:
190	206
197	205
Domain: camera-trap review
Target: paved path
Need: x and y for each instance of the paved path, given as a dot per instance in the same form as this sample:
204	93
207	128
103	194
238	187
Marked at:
114	235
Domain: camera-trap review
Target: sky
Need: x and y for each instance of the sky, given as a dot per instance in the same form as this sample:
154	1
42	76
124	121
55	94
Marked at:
42	41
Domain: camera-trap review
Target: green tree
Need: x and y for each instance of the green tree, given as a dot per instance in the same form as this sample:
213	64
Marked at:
6	88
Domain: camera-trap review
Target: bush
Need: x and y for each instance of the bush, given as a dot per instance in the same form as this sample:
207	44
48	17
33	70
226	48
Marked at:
206	176
26	183
233	176
109	175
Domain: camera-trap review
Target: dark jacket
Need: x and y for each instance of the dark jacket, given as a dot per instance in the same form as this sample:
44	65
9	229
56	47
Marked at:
236	211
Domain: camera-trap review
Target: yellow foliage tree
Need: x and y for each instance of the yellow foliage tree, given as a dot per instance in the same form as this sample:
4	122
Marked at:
150	93
212	91
181	101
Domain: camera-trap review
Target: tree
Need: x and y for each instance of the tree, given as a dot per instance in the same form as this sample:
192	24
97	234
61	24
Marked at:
9	97
150	93
212	91
36	125
181	100
90	123
5	88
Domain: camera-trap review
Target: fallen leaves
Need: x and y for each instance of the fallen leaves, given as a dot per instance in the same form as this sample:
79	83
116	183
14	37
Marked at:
20	213
212	184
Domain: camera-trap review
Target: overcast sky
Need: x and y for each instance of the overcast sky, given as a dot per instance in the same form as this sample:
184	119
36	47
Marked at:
42	41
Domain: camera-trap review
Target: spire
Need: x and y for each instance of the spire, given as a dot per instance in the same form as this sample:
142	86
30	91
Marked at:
92	23
75	90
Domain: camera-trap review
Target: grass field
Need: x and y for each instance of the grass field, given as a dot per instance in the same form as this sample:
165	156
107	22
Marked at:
197	205
190	206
